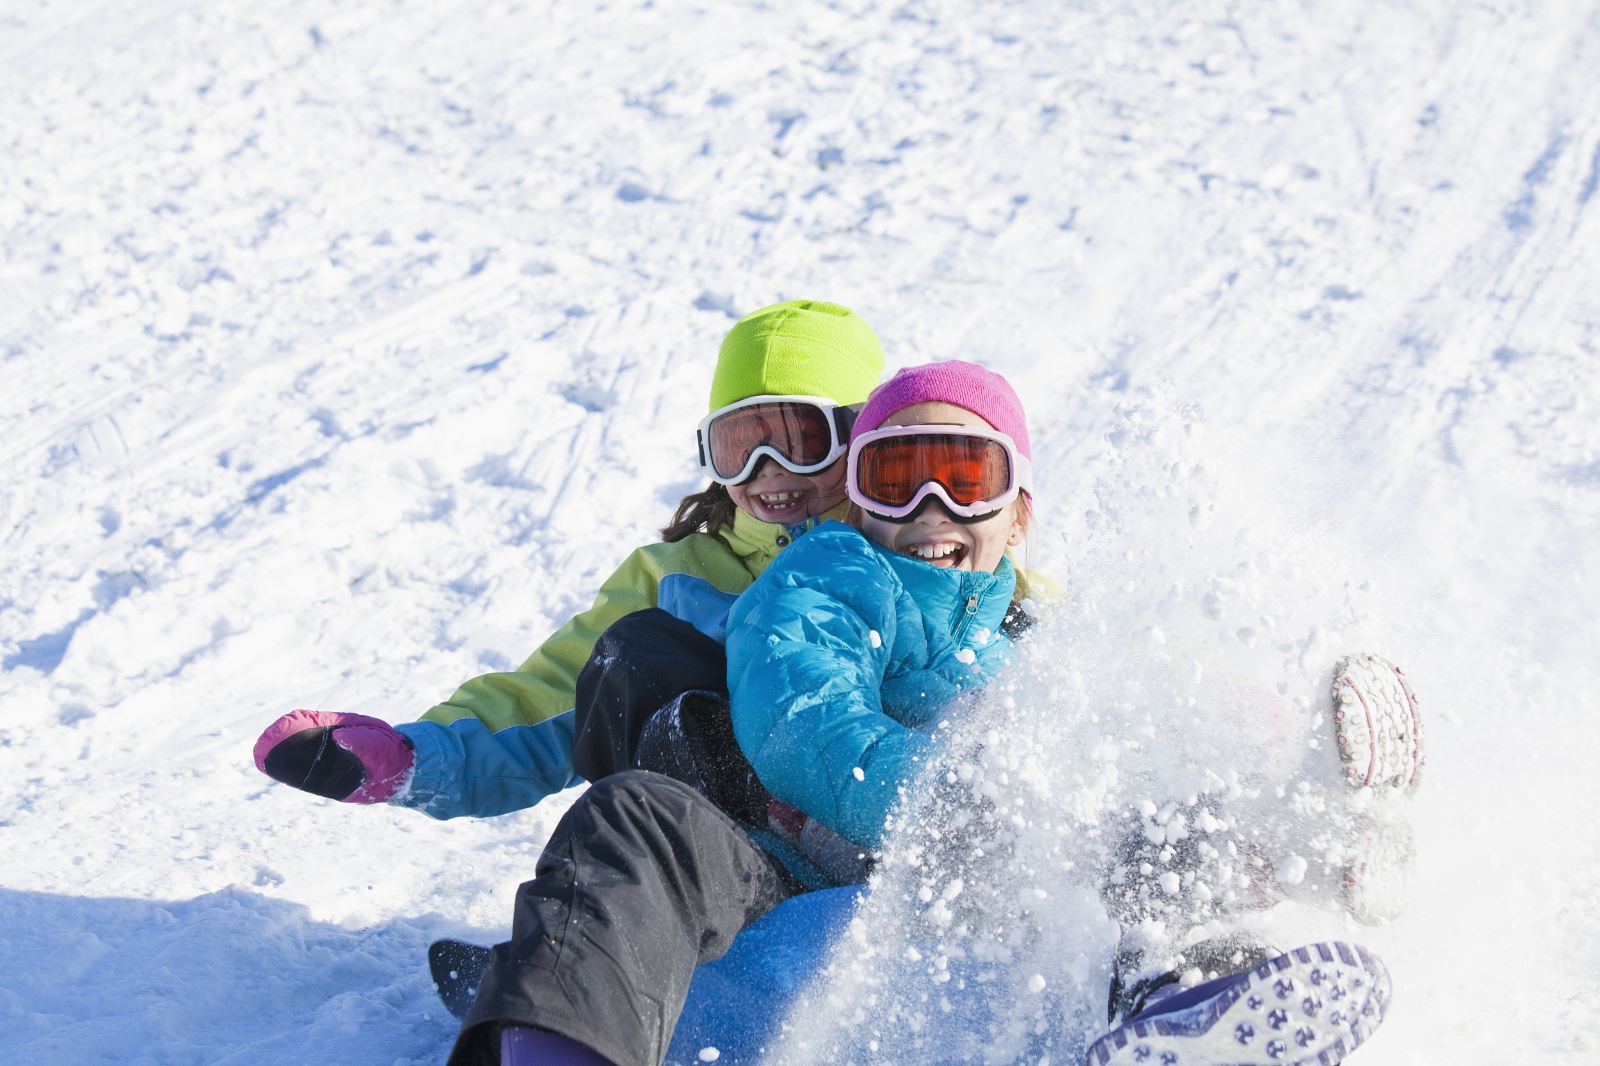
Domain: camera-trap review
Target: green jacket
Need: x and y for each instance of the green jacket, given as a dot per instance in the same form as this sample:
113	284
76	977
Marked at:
503	741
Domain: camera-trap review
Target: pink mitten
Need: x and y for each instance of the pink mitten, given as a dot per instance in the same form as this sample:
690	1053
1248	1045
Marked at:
347	757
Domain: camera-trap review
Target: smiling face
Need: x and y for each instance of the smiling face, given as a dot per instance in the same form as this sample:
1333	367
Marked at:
933	535
783	498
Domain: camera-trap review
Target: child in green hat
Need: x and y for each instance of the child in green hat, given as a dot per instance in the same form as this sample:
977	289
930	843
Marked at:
787	382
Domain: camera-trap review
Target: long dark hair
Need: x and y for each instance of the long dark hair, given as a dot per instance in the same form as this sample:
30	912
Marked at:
711	510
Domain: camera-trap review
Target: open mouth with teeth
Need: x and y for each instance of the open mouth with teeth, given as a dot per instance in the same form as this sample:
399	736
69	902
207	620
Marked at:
789	506
946	554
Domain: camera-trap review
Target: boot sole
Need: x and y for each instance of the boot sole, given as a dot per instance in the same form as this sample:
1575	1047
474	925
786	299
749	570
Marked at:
1308	1007
1377	723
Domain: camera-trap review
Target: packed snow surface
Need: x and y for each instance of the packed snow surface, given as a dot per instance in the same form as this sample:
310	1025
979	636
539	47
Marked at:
345	350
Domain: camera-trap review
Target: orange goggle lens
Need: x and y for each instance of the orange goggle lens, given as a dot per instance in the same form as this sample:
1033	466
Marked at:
971	469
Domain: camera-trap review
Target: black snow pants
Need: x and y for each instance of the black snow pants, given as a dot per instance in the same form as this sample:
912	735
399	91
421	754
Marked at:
654	696
643	880
650	873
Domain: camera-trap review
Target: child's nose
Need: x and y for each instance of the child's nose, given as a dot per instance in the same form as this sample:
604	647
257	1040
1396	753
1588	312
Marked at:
932	512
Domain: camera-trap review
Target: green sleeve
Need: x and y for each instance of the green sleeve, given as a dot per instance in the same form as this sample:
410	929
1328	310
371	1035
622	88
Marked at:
543	686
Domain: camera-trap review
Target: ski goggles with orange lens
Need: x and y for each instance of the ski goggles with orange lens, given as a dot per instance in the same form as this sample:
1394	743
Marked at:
974	472
803	434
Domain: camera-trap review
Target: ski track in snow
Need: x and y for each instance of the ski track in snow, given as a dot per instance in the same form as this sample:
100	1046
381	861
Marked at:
344	353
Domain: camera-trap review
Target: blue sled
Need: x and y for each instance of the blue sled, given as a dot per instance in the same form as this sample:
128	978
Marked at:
736	1003
739	1003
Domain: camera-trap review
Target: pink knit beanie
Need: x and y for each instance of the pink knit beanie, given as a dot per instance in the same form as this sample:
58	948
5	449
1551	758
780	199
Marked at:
967	385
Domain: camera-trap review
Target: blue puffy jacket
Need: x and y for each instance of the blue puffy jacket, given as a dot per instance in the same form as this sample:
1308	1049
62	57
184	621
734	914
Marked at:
841	656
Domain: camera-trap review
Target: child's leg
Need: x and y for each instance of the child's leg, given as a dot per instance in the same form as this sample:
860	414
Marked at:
691	739
1174	872
654	696
638	666
1378	735
643	880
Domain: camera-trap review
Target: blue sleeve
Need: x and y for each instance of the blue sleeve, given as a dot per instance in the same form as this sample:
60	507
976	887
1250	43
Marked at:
808	647
465	769
698	602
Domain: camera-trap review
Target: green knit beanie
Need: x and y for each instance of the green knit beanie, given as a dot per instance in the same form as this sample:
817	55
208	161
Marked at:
799	348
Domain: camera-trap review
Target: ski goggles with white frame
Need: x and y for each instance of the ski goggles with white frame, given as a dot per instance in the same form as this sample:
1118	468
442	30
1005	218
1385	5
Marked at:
802	434
973	471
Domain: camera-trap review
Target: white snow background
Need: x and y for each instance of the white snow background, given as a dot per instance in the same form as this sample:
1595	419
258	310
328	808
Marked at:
345	349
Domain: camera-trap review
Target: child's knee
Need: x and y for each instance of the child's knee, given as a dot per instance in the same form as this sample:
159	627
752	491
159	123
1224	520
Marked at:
639	796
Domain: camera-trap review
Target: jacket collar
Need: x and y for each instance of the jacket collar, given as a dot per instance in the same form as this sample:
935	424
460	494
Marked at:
757	543
966	600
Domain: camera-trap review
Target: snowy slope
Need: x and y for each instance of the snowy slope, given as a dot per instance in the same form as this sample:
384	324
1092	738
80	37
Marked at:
343	351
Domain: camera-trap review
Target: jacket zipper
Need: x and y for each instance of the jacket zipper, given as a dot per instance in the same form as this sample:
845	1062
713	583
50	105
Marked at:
964	620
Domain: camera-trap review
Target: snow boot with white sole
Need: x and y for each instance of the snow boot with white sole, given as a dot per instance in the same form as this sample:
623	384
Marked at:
1311	1006
1376	724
